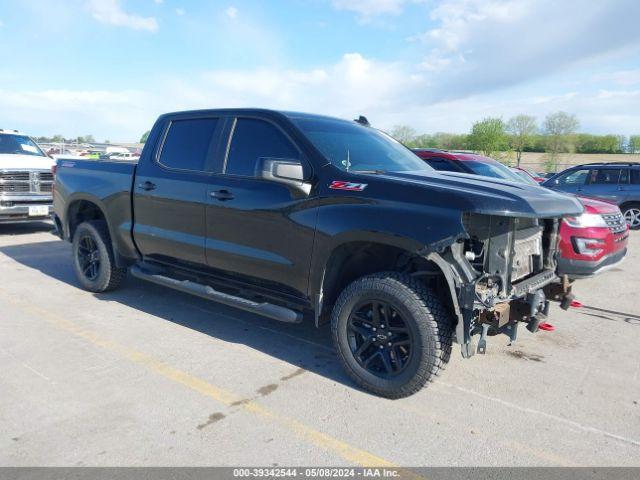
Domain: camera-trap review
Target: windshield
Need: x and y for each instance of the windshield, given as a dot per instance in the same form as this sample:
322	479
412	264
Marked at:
492	169
354	147
19	144
525	177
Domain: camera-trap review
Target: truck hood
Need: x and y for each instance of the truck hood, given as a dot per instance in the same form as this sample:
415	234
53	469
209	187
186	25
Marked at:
25	162
491	196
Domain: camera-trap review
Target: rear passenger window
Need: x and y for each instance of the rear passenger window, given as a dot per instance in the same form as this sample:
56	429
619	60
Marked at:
624	176
188	143
255	139
635	176
605	176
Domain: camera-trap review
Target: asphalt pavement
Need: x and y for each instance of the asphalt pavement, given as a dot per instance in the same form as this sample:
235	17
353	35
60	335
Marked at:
146	376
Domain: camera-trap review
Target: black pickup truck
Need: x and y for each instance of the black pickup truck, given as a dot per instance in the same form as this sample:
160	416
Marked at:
296	216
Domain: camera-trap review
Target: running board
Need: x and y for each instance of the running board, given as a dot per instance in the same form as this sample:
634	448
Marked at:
275	312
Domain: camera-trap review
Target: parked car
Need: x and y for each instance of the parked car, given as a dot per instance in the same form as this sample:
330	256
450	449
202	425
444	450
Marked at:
594	241
124	156
525	175
536	176
295	216
464	162
589	243
25	179
614	182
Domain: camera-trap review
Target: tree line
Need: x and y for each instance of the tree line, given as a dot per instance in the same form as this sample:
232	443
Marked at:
60	139
557	134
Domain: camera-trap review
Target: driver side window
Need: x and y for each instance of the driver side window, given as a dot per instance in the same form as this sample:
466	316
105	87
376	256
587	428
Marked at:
254	140
577	177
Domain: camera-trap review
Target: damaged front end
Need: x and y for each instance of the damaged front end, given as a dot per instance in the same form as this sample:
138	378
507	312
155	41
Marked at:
501	274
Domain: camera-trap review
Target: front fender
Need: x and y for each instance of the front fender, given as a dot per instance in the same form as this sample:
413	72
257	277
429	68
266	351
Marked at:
416	229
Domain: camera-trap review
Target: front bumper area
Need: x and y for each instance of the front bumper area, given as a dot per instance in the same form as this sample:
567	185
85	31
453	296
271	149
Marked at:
25	209
584	268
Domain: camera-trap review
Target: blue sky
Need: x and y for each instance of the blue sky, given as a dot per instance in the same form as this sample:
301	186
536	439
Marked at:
109	67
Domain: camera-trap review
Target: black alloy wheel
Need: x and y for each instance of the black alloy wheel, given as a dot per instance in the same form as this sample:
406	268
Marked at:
379	338
93	258
89	257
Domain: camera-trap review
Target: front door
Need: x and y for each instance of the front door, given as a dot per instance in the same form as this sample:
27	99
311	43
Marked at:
170	192
260	230
573	181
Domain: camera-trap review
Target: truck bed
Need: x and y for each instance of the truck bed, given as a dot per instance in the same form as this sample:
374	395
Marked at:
106	183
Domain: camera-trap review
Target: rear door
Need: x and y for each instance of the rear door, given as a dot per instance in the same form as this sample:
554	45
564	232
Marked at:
170	191
260	230
629	185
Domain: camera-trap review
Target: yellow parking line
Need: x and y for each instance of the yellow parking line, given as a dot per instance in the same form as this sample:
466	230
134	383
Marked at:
305	432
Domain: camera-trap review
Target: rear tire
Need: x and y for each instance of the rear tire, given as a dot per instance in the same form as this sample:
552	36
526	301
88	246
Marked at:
93	259
396	351
631	214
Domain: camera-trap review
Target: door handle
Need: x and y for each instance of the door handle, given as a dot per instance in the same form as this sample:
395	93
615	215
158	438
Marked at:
221	195
147	185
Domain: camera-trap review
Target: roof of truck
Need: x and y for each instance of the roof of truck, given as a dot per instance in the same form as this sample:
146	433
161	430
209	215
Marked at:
250	111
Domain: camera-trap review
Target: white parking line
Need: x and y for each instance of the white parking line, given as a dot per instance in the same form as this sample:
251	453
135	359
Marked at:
566	421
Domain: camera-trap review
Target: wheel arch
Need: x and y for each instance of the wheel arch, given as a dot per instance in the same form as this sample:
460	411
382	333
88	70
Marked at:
357	257
82	209
86	208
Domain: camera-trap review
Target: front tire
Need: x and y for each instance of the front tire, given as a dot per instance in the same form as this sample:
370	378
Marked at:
93	259
632	215
392	333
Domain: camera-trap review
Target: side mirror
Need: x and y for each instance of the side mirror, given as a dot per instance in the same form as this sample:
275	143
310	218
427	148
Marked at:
289	172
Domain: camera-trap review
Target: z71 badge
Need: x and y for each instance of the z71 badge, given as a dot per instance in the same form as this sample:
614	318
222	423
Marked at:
349	186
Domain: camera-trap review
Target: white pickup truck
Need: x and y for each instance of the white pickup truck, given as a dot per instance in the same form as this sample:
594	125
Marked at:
25	179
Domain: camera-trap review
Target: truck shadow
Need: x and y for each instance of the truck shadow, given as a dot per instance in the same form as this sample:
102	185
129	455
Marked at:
25	228
302	345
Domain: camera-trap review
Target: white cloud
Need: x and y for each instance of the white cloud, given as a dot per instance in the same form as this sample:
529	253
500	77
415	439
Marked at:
158	2
367	9
180	12
478	46
621	77
1	24
388	93
110	12
231	12
112	114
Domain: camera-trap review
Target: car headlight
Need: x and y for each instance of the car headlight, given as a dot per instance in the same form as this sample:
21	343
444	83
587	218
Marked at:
586	220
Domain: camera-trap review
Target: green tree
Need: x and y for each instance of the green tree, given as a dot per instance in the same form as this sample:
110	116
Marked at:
145	136
634	144
587	143
522	129
559	128
86	139
404	134
488	136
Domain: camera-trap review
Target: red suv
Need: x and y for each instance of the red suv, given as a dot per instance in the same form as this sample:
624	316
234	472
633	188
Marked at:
589	244
594	241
